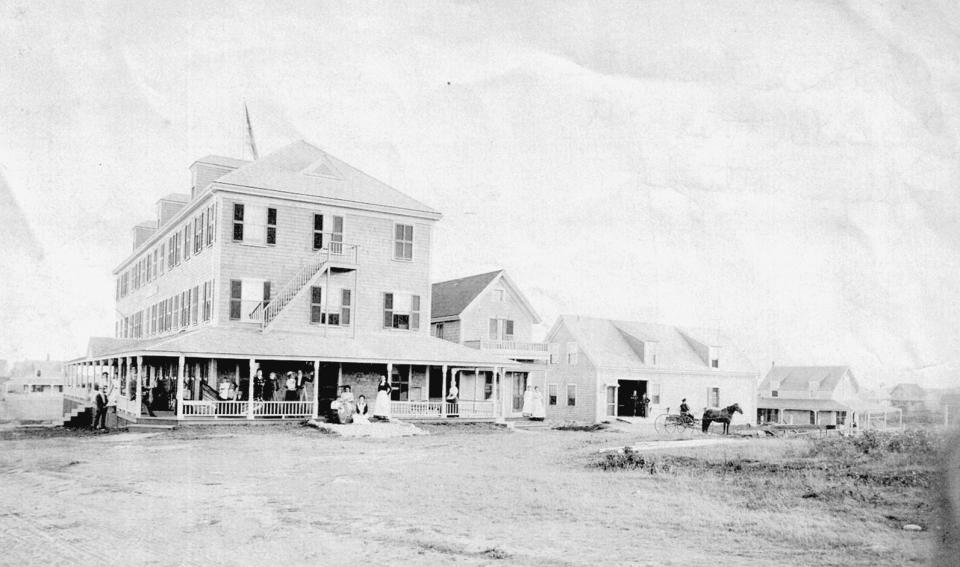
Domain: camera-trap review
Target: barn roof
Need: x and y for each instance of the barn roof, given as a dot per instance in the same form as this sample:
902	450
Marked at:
612	343
798	378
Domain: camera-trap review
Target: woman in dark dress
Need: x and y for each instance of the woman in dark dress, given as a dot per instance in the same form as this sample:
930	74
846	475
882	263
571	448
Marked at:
268	387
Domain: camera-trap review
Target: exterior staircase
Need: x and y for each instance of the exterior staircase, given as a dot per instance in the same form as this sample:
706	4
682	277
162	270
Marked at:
77	414
267	311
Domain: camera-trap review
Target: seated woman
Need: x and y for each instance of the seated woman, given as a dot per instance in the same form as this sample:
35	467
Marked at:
362	410
347	406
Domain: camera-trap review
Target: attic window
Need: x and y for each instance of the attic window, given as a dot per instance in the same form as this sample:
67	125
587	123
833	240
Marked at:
499	295
715	357
322	168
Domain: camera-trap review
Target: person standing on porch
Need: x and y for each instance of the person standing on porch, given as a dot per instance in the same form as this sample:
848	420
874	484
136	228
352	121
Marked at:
452	400
269	386
100	417
258	386
381	409
537	412
290	388
527	410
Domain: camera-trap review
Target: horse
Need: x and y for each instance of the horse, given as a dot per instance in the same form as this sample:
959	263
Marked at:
720	415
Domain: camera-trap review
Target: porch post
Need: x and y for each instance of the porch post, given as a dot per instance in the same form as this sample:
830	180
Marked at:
390	372
316	389
181	362
498	413
443	391
139	402
339	377
253	372
196	381
426	384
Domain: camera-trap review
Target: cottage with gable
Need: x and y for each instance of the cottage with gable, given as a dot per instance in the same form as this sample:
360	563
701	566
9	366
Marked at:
488	312
599	367
817	395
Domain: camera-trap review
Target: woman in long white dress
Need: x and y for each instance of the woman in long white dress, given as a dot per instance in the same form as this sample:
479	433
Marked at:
381	409
527	410
537	410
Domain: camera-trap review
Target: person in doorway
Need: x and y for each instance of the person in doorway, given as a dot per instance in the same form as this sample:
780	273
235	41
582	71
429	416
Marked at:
527	410
538	412
362	410
644	406
290	388
635	402
100	399
453	399
381	409
685	411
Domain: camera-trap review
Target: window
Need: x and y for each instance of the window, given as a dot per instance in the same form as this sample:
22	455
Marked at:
176	311
169	315
336	237
187	240
552	394
236	298
238	222
401	311
403	242
271	226
198	225
554	353
501	329
653	390
438	330
194	305
571	395
499	294
713	397
774	393
207	301
266	294
572	353
211	223
317	231
494	329
345	299
163	257
149	263
316	305
179	242
714	357
508	329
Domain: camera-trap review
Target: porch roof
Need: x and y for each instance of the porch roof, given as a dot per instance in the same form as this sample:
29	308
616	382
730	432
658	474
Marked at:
219	342
801	404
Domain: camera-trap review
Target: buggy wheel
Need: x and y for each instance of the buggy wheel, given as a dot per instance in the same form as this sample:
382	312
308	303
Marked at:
673	424
660	423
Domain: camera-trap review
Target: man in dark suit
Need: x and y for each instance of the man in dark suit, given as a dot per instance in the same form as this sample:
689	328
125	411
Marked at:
100	418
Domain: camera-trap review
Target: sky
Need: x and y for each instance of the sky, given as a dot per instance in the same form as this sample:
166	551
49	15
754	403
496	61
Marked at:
786	171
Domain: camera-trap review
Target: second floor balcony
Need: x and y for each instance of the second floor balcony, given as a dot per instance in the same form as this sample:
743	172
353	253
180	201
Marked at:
517	350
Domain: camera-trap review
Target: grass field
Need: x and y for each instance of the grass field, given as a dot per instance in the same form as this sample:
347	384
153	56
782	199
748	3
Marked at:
471	495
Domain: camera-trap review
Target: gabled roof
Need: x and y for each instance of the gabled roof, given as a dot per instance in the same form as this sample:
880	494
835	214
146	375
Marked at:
176	197
907	392
406	348
614	344
452	297
798	378
294	169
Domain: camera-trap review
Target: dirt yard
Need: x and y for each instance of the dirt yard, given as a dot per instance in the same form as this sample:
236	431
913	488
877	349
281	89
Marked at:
289	495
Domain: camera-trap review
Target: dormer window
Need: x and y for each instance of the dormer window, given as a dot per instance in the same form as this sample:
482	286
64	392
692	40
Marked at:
715	357
651	353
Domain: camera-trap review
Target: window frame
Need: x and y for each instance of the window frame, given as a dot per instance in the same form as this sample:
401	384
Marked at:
270	234
401	242
238	213
236	300
553	394
573	398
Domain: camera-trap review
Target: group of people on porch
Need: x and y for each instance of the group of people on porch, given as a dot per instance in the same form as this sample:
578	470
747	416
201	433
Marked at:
350	410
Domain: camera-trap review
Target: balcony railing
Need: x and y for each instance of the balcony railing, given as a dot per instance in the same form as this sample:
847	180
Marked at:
524	347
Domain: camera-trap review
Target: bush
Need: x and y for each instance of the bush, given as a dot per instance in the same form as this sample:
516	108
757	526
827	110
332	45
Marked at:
631	460
574	426
919	443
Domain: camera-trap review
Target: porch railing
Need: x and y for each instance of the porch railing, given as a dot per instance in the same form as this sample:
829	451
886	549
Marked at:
505	345
436	410
218	408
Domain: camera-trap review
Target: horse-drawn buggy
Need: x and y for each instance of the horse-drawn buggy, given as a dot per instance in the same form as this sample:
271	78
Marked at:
675	422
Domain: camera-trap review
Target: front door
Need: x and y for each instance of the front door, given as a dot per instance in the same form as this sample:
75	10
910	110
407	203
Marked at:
611	401
519	384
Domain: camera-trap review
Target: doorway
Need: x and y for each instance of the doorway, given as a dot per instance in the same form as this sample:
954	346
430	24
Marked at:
519	384
629	402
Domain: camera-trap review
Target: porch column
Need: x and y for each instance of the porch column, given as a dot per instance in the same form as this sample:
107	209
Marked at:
196	381
476	380
390	372
316	389
498	413
125	383
253	372
443	391
339	376
181	362
426	383
139	402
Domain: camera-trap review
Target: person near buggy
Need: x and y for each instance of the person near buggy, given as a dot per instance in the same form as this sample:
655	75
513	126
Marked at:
685	411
